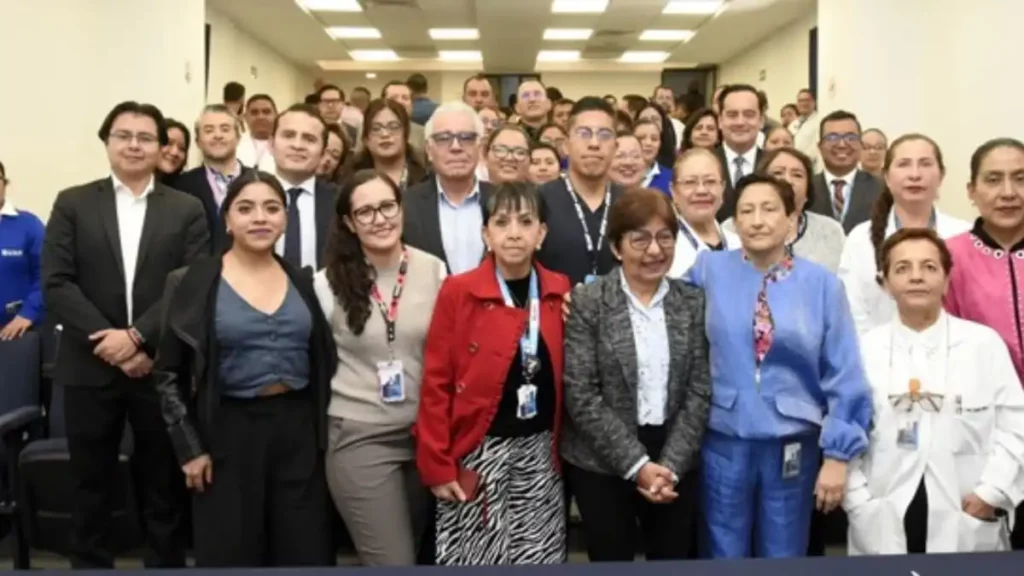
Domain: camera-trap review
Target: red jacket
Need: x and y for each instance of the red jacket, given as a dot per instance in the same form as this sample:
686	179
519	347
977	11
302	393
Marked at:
472	343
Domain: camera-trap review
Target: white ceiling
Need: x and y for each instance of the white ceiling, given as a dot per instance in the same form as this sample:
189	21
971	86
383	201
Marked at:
510	32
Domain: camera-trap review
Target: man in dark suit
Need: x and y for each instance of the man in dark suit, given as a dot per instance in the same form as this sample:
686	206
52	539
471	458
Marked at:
740	122
443	215
108	249
298	143
217	135
842	191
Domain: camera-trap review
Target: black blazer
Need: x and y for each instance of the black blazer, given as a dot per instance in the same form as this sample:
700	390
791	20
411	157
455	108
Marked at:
861	198
325	200
83	270
195	183
189	347
728	209
422	227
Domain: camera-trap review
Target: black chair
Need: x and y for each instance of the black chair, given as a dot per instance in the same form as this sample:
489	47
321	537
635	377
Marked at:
46	487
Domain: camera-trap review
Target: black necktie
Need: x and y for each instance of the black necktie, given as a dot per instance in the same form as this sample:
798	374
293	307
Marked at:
293	233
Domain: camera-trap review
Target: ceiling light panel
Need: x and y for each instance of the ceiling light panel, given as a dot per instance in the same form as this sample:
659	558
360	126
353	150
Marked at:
373	55
666	35
347	32
579	6
568	34
329	5
643	57
558	55
693	7
460	55
454	33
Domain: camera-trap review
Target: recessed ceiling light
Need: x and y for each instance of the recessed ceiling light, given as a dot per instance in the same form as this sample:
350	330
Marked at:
347	32
695	7
371	75
373	55
579	6
558	55
460	55
666	35
642	56
568	34
454	33
329	5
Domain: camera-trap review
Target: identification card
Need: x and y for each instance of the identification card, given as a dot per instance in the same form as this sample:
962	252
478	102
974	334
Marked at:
527	407
791	460
590	278
907	431
391	379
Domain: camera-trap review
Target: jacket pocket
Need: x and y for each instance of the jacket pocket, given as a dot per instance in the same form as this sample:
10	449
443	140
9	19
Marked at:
982	535
972	427
724	398
798	409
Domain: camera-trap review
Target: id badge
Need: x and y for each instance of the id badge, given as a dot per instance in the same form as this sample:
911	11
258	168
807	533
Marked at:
527	407
391	380
590	279
907	428
791	460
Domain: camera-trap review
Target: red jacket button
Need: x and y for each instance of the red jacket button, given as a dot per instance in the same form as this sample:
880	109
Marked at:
473	347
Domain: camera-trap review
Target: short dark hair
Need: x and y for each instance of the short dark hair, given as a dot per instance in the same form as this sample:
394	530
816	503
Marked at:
3	172
635	103
312	99
591	104
514	196
634	209
244	179
803	159
563	102
781	187
762	100
623	117
473	78
534	146
135	109
553	93
384	90
662	87
362	89
734	89
793	106
308	110
328	88
549	125
836	116
417	83
807	91
905	235
233	92
258	97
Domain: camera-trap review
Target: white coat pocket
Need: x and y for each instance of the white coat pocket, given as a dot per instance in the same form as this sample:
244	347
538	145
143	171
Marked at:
982	535
864	530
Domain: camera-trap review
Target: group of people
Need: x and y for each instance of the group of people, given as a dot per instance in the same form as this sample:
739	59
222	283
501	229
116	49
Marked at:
451	341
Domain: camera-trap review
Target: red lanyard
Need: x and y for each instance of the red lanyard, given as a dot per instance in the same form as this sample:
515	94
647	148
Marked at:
390	312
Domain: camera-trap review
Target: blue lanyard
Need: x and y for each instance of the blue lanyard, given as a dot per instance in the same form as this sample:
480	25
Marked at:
685	229
529	339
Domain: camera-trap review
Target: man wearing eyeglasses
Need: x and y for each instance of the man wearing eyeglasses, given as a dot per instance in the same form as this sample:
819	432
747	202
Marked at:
842	191
108	249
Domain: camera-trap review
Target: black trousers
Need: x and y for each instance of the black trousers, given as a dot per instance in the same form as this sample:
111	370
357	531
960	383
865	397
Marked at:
1017	537
95	421
611	507
268	503
915	521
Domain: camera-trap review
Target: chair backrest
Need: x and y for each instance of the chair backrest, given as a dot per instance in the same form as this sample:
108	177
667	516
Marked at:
20	372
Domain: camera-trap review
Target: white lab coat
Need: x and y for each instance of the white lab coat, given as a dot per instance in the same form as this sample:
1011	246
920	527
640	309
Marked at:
974	443
686	252
250	157
870	305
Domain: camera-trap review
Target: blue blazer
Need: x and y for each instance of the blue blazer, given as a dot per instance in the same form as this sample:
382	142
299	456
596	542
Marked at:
662	180
21	244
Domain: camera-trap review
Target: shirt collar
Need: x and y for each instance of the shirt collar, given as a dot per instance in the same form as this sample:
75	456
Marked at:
979	232
121	188
8	209
308	186
749	157
846	178
659	294
230	175
930	338
473	195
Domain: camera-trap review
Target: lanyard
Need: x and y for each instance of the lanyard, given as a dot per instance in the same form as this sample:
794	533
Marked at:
390	312
592	250
801	229
528	341
697	243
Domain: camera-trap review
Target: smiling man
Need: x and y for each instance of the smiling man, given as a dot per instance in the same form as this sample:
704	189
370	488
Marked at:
842	191
740	121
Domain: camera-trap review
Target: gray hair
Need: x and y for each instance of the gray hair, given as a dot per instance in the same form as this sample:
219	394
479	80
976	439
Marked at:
454	107
218	109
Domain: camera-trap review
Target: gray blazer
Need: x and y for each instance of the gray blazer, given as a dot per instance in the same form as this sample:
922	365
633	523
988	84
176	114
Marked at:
600	382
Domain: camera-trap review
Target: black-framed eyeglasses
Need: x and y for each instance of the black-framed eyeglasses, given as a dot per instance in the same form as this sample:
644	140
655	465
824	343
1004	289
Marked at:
379	129
446	139
502	152
849	138
641	239
143	138
388	209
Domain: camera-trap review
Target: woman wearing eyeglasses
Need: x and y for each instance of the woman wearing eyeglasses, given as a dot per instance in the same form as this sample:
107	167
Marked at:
637	386
628	167
378	296
945	465
507	153
697	193
385	146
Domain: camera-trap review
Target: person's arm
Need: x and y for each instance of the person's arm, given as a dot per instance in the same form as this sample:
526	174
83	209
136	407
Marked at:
596	422
32	308
686	432
1002	480
59	274
437	393
843	381
857	281
197	245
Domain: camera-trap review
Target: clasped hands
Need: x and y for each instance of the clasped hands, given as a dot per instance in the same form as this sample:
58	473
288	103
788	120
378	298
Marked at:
117	348
656	483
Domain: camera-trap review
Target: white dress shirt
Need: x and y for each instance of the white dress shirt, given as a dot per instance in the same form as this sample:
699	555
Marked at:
131	217
847	179
749	161
689	245
307	220
460	229
650	334
678	127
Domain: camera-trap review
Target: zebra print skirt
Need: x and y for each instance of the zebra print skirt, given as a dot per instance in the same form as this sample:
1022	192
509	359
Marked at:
518	515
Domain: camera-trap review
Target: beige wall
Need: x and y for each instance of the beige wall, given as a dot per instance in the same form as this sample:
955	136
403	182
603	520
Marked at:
783	58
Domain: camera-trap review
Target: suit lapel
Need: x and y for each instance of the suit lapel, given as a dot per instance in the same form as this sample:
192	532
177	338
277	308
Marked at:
324	208
431	221
108	214
620	329
150	225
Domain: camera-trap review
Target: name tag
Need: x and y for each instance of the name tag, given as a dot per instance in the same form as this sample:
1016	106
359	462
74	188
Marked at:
11	252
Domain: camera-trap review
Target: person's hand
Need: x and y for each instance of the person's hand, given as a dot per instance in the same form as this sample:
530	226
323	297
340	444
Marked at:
451	492
15	329
831	485
138	366
115	346
566	301
656	483
198	473
978	508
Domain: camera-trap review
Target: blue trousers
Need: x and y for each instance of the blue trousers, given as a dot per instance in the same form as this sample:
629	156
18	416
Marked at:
748	502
